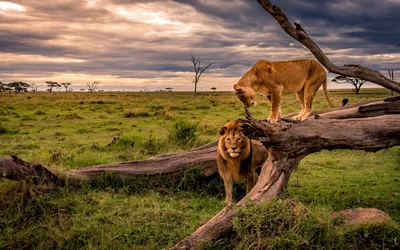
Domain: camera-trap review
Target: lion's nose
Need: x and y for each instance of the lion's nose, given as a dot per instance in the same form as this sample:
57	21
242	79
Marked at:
233	148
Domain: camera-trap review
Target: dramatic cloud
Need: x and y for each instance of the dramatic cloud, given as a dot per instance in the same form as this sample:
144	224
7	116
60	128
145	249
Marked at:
138	44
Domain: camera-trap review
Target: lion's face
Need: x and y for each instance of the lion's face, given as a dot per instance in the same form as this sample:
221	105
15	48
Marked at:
234	142
246	95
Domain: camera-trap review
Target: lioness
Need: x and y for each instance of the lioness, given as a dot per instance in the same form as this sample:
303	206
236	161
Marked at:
238	157
272	79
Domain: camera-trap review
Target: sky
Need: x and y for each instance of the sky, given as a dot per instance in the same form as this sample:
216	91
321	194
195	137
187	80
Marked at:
147	45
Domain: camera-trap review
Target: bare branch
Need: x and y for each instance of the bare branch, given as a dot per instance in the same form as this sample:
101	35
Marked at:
300	35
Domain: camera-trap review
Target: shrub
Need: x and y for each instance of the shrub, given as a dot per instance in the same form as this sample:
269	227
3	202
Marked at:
73	116
139	112
39	112
4	130
184	134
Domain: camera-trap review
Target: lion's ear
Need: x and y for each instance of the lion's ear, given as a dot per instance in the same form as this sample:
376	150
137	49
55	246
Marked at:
222	131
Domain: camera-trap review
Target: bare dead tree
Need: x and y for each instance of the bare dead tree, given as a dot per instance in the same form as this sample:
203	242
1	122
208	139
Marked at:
92	86
391	76
355	81
198	71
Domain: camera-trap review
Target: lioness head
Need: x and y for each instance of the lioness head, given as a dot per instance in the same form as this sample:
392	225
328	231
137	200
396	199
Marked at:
245	95
232	142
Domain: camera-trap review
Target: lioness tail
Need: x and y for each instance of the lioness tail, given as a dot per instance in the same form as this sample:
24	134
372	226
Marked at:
325	91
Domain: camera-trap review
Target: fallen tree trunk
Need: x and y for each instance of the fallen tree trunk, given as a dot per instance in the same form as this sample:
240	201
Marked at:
202	159
289	143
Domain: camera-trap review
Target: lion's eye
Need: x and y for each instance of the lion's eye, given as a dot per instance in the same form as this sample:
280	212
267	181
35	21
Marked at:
229	139
239	139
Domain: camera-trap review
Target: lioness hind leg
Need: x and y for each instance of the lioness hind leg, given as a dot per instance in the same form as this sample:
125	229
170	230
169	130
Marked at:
310	89
300	99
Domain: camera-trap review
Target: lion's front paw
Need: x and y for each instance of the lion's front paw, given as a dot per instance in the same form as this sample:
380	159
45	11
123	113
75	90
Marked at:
228	203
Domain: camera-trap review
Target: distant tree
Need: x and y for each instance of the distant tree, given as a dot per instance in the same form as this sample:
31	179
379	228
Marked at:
19	86
66	86
214	88
52	85
34	88
198	71
355	81
83	89
92	86
3	87
391	76
169	89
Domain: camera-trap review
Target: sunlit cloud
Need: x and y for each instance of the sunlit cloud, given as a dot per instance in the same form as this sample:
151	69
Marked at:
11	6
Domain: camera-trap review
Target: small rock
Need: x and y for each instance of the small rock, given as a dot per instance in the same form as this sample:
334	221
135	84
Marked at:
363	216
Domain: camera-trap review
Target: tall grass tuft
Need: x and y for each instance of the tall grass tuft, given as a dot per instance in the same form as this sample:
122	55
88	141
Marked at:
138	112
4	130
184	134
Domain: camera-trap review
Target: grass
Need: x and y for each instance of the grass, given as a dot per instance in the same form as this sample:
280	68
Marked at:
69	130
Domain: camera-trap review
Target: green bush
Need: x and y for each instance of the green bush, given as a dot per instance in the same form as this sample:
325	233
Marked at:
4	130
139	112
184	134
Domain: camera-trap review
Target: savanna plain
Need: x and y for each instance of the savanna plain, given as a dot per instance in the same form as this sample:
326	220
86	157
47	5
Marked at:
70	130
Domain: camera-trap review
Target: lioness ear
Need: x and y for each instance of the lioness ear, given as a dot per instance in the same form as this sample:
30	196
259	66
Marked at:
222	130
239	91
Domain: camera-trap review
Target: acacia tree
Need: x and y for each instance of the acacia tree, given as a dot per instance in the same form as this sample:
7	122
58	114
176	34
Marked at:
66	86
198	71
52	85
214	88
19	86
355	81
92	86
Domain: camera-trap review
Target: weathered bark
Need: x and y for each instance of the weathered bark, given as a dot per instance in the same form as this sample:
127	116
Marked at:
290	143
300	35
202	158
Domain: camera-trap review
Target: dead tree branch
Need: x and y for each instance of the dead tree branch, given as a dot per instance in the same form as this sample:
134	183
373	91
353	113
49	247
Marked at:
301	36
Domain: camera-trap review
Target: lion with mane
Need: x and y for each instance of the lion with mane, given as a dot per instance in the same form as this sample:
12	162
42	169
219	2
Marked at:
238	158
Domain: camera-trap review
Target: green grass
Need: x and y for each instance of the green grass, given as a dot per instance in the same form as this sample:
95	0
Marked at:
70	130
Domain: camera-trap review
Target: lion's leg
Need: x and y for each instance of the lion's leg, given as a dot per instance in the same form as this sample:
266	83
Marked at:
276	96
228	183
300	99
